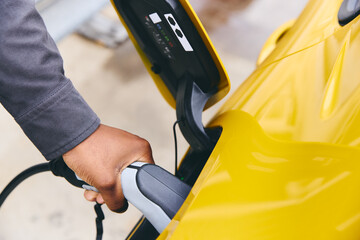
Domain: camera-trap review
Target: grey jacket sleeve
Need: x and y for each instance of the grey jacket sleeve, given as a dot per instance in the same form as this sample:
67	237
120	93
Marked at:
33	88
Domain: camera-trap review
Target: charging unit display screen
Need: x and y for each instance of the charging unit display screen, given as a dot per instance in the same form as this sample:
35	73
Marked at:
161	36
170	41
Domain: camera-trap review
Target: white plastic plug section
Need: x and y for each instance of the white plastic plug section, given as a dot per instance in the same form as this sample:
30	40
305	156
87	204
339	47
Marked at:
156	216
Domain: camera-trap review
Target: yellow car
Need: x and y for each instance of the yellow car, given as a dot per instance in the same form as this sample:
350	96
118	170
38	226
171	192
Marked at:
281	158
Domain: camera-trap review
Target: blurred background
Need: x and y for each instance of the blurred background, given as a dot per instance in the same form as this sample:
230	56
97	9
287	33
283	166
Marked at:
105	68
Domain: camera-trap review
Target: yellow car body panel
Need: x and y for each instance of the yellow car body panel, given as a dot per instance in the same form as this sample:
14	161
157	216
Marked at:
256	187
311	95
273	40
287	165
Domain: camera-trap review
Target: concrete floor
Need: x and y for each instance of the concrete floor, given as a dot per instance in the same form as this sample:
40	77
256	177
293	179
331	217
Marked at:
118	88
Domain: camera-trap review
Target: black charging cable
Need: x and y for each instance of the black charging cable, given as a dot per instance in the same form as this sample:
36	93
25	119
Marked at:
45	167
99	218
39	168
176	146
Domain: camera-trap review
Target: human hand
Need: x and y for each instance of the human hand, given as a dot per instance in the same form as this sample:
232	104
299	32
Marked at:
100	159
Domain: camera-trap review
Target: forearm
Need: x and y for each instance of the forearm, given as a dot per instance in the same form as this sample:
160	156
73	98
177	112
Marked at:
33	87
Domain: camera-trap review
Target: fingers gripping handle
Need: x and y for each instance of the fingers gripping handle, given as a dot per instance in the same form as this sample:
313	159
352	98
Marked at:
155	192
59	168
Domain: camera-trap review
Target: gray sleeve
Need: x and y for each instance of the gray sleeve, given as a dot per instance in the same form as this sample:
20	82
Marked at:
33	88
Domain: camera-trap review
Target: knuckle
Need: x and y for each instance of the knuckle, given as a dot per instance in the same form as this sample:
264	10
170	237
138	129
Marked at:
146	145
107	183
145	151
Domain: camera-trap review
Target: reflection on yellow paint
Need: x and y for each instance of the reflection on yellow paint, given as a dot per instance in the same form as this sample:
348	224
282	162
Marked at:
274	189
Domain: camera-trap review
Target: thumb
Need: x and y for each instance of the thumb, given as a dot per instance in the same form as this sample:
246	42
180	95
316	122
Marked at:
113	197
